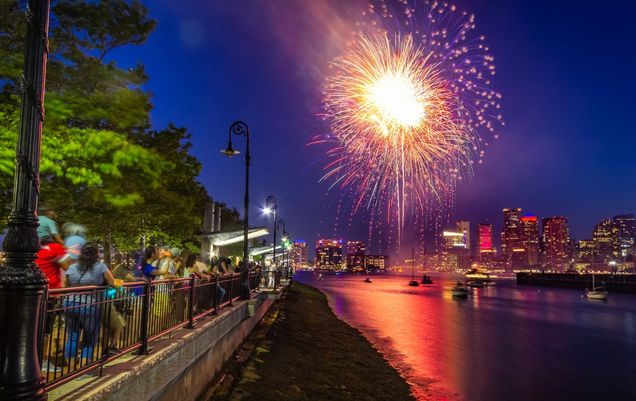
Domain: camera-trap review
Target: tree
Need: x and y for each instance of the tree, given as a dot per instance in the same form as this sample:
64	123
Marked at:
101	164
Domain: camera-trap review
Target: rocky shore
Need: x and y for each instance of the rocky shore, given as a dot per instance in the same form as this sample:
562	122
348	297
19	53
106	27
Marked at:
302	351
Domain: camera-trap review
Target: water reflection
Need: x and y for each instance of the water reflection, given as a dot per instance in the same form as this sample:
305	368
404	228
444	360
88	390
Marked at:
501	343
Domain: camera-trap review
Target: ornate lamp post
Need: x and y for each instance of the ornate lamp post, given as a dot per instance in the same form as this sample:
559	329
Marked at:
22	284
240	128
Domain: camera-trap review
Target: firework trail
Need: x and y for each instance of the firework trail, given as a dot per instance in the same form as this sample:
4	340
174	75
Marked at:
409	105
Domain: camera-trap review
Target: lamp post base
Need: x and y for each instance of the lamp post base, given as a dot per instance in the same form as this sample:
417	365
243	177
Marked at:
21	300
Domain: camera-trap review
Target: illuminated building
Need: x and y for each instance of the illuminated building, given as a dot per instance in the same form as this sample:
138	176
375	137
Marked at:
355	255
464	228
511	248
300	254
606	246
585	251
485	246
329	254
454	255
556	239
529	239
376	262
626	234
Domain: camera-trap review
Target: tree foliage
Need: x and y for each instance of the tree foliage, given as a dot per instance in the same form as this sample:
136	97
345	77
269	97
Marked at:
101	164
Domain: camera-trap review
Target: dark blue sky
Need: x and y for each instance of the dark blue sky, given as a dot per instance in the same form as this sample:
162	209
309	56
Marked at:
565	69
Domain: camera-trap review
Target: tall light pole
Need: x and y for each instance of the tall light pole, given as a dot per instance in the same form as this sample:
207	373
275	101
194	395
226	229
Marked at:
22	284
271	207
240	128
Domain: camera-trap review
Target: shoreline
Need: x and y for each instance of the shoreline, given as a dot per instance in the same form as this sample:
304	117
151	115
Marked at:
303	351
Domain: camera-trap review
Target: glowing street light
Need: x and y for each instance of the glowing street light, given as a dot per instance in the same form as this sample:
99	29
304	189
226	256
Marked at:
242	129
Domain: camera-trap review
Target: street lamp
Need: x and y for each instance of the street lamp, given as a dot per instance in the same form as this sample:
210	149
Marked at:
271	207
22	284
240	128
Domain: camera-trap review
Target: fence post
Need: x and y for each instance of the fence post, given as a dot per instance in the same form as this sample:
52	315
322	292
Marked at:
145	314
193	279
231	291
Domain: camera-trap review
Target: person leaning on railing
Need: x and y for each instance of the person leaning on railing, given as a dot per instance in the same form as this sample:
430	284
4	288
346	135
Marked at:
53	261
83	312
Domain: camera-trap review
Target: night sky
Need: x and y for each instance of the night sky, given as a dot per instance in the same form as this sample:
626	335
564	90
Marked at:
565	69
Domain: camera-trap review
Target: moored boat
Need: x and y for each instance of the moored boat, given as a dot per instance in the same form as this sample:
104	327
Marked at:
597	293
460	290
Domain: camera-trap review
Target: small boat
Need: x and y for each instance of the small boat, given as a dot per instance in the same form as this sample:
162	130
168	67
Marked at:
426	280
413	282
597	293
367	280
460	290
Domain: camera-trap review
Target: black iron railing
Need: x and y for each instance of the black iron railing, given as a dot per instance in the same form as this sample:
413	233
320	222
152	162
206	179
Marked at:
86	327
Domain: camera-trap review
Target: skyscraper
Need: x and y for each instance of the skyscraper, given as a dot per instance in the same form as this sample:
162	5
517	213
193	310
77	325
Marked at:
463	227
485	246
329	254
454	255
529	239
300	254
556	239
626	234
606	242
511	247
356	251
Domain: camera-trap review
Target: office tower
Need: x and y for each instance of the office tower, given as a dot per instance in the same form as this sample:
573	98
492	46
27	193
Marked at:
464	228
626	234
529	239
585	251
556	240
356	251
454	254
486	250
511	247
329	254
300	254
606	242
376	262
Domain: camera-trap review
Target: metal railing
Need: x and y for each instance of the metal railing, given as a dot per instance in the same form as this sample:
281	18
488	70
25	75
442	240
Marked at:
86	327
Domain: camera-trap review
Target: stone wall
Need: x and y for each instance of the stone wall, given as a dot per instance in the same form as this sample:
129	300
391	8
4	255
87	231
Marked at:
178	368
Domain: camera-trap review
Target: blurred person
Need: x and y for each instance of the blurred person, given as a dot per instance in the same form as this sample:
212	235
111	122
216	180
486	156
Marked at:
53	260
47	227
125	271
218	271
81	310
74	239
164	264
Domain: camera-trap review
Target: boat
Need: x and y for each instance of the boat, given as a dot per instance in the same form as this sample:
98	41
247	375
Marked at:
426	280
413	282
476	274
460	290
367	280
597	293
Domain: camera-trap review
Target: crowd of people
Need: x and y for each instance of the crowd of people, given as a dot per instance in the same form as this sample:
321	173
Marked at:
68	259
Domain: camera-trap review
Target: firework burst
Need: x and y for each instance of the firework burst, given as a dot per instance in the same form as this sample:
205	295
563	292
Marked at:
409	105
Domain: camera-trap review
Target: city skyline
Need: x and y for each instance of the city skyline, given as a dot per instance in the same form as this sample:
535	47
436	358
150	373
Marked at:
547	155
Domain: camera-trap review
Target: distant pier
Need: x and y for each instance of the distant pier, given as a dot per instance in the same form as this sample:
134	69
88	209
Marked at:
625	283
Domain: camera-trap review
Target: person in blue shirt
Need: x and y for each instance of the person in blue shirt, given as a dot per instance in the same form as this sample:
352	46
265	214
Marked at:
47	228
150	255
83	310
